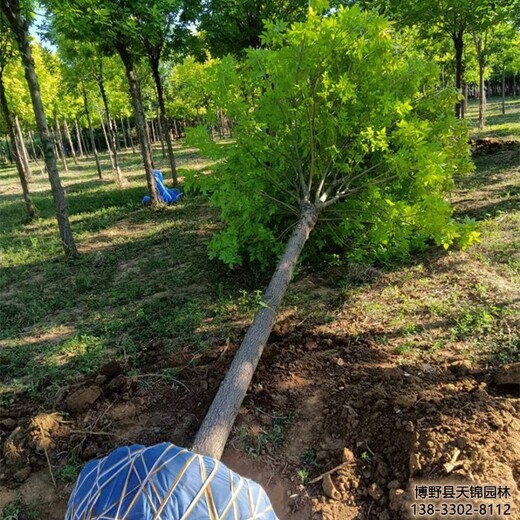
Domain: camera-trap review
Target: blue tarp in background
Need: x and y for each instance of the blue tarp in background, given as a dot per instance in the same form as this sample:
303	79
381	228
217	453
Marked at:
166	195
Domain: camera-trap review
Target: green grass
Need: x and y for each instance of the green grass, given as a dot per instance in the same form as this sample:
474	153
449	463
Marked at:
497	124
144	274
18	510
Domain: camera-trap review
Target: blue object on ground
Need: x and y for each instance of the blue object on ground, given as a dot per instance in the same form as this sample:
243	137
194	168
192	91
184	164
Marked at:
164	482
165	195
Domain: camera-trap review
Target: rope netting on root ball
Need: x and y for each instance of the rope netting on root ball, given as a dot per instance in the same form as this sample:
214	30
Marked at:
164	482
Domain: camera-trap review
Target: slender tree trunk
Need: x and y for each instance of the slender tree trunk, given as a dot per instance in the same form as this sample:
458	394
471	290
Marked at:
91	132
130	136
85	139
22	174
107	140
78	138
503	92
59	144
140	119
116	133
465	100
216	427
458	42
22	150
20	28
481	97
69	139
9	151
153	134
125	140
109	135
154	65
33	148
161	134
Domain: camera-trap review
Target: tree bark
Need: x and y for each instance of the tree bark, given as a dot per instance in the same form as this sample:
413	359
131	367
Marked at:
140	119
153	133
20	28
22	150
78	138
216	427
503	92
116	133
33	148
91	132
59	141
154	65
4	109
161	135
481	97
125	140
69	139
9	151
458	42
130	136
109	135
86	145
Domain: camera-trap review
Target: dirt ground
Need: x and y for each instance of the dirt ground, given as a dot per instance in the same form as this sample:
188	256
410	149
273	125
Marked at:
348	399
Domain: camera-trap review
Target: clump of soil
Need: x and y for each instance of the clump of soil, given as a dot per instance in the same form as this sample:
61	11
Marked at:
491	145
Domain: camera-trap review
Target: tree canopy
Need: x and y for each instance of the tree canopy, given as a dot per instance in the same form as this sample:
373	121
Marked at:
334	111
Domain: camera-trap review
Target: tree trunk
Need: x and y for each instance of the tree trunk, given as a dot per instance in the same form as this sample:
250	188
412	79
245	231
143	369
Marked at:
481	97
154	134
116	133
125	140
216	427
9	151
91	132
503	92
59	141
20	29
22	150
140	119
109	135
84	140
78	138
130	136
161	135
33	148
154	65
69	139
4	109
458	42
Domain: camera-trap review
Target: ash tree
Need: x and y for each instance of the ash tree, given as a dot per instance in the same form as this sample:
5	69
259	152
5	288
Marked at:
7	55
162	28
18	17
453	18
112	26
342	137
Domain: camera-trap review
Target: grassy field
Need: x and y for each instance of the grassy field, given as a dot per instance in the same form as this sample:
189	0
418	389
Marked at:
505	126
143	275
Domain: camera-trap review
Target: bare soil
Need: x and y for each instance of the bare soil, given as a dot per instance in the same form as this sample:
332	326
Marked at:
397	422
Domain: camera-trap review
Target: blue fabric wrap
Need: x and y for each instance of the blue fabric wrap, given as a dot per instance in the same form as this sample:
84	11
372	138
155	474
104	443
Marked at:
164	482
166	195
